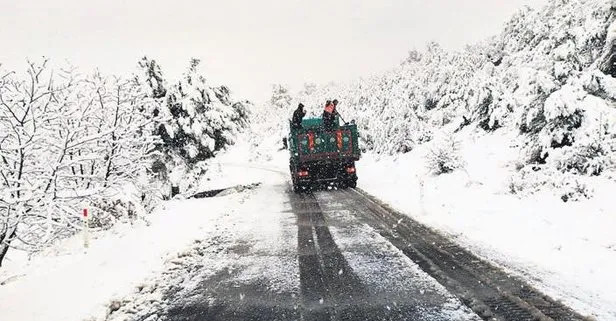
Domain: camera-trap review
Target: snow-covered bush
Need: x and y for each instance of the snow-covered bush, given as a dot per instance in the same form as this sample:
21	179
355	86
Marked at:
533	179
585	160
110	211
281	98
443	156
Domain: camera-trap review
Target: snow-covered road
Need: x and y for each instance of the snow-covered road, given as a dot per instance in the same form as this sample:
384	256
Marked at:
320	256
278	256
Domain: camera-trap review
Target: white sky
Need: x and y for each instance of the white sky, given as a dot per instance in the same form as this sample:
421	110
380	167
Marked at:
247	45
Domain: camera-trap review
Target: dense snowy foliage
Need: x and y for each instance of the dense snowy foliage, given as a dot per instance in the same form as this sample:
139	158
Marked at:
65	141
269	125
547	76
444	156
116	146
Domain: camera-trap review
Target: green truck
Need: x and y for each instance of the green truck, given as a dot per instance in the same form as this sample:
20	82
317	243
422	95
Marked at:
323	156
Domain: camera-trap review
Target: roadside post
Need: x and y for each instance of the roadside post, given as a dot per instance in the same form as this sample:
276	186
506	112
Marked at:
86	227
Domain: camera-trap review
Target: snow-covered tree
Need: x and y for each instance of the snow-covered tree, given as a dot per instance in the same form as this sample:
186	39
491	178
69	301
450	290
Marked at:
67	140
152	77
309	89
281	97
547	76
203	119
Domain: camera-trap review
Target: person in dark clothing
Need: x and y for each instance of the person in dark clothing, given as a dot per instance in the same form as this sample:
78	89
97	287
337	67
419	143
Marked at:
329	114
298	116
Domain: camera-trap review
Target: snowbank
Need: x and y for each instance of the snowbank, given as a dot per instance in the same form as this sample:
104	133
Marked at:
68	282
566	249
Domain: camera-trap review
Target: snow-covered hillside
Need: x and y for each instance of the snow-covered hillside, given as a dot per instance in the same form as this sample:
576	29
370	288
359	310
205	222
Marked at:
546	77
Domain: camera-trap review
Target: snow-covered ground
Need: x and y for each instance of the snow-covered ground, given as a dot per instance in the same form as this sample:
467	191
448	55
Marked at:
70	282
254	241
568	250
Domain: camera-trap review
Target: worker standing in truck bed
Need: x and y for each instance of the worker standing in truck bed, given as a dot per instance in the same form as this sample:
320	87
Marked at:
329	114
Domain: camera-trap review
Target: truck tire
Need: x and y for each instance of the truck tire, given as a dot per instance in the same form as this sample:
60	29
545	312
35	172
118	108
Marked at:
351	184
297	188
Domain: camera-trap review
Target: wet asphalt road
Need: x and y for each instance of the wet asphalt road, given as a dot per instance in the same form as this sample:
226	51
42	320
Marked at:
333	267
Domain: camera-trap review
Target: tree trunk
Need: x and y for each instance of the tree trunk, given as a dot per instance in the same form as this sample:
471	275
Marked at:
5	240
175	190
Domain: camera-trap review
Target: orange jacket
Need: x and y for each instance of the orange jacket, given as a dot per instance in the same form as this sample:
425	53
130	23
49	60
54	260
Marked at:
330	109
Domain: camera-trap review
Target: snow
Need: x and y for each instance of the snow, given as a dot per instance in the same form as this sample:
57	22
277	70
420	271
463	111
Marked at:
565	249
254	242
69	282
234	167
502	206
385	269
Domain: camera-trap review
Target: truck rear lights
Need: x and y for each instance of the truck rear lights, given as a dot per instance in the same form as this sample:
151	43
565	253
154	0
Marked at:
339	139
311	141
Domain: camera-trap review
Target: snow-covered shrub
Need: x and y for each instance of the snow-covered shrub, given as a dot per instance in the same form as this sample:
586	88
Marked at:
586	144
106	212
533	179
600	85
590	160
531	152
563	115
189	182
443	156
575	190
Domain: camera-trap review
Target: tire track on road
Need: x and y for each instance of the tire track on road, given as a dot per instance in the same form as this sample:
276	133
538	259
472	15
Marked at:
329	288
490	292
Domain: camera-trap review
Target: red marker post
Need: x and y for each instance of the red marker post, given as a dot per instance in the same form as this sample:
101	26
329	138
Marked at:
86	236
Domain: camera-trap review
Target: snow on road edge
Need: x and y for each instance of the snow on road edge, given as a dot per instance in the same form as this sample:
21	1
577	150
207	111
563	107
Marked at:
69	283
565	249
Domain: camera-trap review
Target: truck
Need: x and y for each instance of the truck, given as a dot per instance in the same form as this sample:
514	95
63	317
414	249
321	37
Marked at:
323	156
